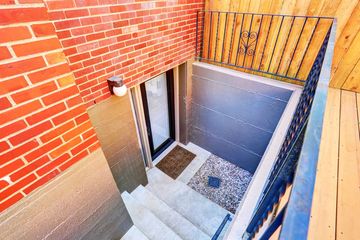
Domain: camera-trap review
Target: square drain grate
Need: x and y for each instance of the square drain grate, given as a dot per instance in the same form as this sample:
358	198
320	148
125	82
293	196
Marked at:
214	182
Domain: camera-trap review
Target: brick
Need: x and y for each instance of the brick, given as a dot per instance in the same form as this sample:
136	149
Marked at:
82	118
43	29
18	151
30	1
18	67
57	131
67	24
7	2
54	58
119	8
11	167
35	92
30	133
3	185
4	103
41	181
82	31
90	21
49	73
36	47
13	84
69	115
73	42
12	128
22	15
11	201
65	147
65	81
94	147
60	95
84	3
63	34
29	168
95	36
79	57
76	13
88	133
92	61
99	51
45	114
77	100
84	145
4	53
19	111
74	160
17	186
53	164
59	4
4	146
77	131
43	150
70	51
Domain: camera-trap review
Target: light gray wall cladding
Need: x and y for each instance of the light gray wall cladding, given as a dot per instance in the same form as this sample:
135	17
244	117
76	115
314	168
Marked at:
115	127
81	203
233	117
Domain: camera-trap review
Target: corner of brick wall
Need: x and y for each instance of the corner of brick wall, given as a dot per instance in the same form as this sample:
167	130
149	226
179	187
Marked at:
44	126
55	57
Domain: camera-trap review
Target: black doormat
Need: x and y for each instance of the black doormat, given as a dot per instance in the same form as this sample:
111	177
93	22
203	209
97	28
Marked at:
174	163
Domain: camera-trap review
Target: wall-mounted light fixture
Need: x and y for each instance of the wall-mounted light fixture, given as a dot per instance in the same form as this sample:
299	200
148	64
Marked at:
117	86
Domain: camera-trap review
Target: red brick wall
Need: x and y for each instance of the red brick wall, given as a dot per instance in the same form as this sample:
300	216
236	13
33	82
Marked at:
48	79
132	38
44	127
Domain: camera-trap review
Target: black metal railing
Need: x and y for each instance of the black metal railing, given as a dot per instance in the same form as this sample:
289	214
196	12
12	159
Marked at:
271	44
298	48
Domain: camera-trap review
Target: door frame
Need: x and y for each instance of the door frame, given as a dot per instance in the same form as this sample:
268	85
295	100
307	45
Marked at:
171	111
138	110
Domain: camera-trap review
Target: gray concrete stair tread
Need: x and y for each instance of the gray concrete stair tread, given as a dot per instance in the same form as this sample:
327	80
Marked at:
199	210
134	234
151	226
180	225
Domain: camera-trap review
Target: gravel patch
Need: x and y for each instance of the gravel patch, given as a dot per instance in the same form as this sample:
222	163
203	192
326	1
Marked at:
234	182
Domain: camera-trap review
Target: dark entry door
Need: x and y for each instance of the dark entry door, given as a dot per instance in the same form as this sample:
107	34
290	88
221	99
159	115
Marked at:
158	101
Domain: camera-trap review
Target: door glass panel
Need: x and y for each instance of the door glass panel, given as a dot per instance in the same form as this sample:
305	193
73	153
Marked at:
157	100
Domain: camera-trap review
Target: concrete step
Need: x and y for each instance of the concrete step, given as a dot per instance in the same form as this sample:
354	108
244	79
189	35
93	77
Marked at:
199	210
134	234
151	226
180	225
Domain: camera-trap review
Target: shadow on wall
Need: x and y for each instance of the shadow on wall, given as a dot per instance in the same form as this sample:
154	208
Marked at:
115	127
233	117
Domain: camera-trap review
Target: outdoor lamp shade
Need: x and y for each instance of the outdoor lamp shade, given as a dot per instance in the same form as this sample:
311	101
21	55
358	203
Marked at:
117	86
120	91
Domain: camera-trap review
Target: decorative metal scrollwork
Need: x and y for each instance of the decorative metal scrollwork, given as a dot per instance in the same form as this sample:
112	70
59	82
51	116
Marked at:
247	43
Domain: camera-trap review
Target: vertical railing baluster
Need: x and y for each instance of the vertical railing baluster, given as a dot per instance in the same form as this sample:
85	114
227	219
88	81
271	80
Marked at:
277	37
209	47
237	50
267	36
232	37
225	30
286	42
252	60
307	47
296	45
247	42
216	36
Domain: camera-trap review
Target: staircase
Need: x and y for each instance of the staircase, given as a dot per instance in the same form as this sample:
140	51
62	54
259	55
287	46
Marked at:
168	209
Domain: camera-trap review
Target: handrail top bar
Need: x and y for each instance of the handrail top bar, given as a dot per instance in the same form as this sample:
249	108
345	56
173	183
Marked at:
269	14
